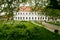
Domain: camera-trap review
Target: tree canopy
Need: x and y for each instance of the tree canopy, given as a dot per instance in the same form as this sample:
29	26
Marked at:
10	6
54	4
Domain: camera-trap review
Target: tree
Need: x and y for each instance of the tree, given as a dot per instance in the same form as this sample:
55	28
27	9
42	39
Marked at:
9	7
53	9
54	4
52	13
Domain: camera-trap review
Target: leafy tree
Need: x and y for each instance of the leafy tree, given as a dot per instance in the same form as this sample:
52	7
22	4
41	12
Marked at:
9	7
52	9
54	4
52	13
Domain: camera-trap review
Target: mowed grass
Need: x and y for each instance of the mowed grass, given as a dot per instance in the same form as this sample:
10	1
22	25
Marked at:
20	30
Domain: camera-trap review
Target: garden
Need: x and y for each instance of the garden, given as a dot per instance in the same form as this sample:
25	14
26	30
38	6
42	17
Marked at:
20	30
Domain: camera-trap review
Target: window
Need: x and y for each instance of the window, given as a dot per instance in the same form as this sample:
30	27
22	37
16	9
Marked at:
32	18
23	17
32	13
26	17
18	18
18	13
23	13
29	18
26	13
29	13
35	18
38	18
43	17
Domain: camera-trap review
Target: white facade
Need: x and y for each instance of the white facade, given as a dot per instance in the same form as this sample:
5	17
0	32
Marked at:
28	16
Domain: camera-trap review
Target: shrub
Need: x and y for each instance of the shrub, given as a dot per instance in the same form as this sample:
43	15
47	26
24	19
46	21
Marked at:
20	26
5	26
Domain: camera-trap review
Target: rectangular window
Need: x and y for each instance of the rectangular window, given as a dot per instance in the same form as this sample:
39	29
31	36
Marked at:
43	17
38	18
35	18
18	18
29	18
32	13
23	17
29	13
32	18
26	17
23	13
20	13
26	13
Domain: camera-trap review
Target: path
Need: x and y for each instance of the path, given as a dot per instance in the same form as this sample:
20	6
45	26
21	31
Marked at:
51	27
48	26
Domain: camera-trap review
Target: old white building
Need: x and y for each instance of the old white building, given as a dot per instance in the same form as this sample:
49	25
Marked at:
25	14
29	16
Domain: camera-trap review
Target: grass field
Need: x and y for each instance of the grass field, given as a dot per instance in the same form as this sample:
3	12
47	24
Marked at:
25	31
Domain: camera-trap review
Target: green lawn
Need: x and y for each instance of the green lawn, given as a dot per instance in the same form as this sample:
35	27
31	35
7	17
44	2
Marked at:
25	31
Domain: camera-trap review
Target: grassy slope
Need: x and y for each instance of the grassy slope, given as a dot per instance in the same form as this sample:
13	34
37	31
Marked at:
28	31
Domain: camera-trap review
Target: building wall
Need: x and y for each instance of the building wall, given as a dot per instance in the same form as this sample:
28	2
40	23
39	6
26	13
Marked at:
27	16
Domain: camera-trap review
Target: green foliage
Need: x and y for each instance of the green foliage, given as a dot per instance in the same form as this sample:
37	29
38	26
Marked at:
5	26
20	26
10	6
55	4
52	12
26	31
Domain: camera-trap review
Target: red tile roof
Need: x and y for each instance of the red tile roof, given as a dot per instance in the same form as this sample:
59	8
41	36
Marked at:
25	8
